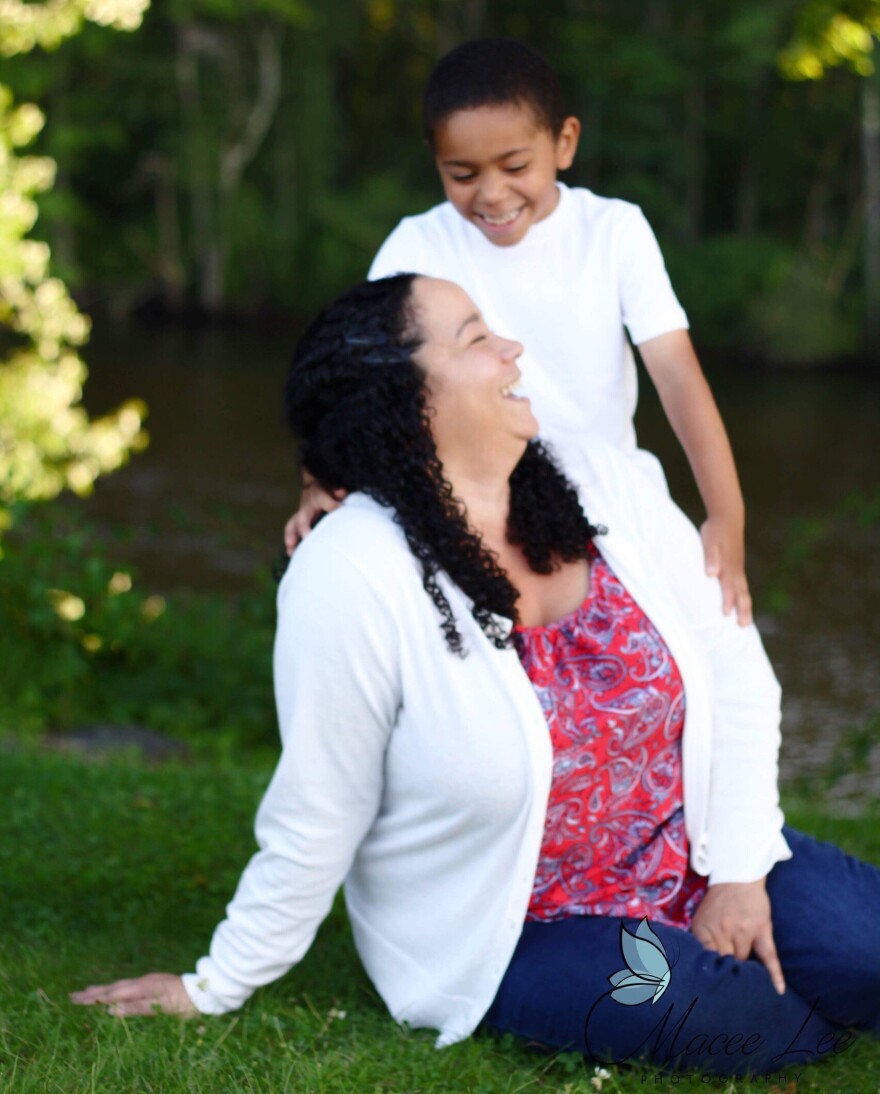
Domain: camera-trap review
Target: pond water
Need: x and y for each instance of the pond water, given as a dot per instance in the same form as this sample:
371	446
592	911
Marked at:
205	504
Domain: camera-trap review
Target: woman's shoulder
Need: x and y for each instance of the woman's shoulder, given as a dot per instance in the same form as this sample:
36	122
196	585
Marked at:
596	464
615	489
358	545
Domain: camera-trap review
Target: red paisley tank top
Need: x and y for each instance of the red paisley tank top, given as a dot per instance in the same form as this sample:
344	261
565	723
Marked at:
614	841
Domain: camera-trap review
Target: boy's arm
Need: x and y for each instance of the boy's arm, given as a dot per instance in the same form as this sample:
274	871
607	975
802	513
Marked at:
402	252
314	502
690	407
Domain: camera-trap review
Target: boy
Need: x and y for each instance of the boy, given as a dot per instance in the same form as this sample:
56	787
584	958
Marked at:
563	271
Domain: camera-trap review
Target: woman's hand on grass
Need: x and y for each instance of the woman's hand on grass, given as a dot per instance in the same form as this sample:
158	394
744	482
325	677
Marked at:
724	548
151	994
314	502
734	919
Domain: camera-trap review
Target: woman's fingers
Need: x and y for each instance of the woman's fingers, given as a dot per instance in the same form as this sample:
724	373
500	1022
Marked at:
735	919
142	996
765	949
719	941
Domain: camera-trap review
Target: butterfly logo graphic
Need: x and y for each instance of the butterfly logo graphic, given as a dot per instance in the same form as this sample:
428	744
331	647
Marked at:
646	975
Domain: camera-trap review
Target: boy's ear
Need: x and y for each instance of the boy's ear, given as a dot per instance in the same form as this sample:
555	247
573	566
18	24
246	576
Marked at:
567	142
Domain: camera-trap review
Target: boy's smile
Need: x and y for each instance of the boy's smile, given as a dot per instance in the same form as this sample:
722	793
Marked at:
498	167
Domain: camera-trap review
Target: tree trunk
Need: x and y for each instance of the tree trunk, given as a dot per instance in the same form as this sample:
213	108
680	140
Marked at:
871	190
749	184
196	167
695	131
172	276
237	153
816	210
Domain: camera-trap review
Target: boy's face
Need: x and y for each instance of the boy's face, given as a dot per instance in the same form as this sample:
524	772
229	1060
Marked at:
498	167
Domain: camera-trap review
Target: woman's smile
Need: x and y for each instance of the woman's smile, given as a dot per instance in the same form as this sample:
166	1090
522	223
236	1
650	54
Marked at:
509	389
467	367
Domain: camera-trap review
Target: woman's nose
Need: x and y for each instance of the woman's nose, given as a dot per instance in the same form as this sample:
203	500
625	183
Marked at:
511	349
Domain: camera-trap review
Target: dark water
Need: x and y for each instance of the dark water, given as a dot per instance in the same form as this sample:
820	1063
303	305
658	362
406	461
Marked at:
205	504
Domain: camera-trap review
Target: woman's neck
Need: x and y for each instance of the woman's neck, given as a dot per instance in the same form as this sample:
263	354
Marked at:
487	504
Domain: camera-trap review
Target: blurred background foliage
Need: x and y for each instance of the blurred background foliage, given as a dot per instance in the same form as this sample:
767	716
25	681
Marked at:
243	161
234	158
47	441
84	642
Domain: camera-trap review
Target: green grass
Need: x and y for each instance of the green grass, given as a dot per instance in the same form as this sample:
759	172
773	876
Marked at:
117	868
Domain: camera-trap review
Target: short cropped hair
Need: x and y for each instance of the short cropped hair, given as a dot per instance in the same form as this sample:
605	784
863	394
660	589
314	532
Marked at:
493	72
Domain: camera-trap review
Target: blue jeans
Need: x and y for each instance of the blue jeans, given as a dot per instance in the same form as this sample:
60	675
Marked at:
717	1014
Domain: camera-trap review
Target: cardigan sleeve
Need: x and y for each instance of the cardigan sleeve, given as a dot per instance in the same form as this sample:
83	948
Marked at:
744	817
337	694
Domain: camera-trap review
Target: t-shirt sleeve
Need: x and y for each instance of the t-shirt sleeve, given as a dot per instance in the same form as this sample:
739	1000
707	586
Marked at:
650	306
402	252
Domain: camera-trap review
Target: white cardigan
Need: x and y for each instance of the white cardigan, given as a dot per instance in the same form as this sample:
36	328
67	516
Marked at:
420	778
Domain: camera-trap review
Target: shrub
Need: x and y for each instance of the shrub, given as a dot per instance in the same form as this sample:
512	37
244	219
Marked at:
82	642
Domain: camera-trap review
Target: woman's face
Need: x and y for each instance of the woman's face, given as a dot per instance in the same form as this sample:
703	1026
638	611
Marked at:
470	377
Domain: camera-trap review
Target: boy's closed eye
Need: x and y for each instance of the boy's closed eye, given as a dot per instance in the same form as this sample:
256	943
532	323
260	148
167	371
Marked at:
516	169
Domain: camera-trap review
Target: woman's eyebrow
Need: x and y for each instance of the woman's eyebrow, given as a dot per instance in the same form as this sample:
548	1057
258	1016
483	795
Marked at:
475	318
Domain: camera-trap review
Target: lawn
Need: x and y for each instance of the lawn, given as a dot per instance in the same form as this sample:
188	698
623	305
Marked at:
114	868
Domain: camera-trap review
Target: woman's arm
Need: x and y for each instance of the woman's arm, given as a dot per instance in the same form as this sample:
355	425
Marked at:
744	818
337	695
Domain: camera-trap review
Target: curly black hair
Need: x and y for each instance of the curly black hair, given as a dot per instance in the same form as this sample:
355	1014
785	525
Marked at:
356	399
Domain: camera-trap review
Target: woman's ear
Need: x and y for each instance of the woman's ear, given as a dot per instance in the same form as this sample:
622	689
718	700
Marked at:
567	142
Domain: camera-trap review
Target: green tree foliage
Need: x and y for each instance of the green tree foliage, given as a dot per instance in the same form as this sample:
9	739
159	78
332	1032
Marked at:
26	24
830	34
842	34
254	156
47	441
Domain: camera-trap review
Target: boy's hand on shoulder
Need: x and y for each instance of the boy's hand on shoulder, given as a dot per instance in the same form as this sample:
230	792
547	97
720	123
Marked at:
314	502
724	548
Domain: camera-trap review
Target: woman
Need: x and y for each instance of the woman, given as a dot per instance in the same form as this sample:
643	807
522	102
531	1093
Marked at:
428	633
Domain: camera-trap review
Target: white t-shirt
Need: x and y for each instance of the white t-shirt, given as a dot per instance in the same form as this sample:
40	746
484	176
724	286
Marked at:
566	291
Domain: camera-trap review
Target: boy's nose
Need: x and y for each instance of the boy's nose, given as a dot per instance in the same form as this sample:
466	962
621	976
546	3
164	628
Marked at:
491	188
